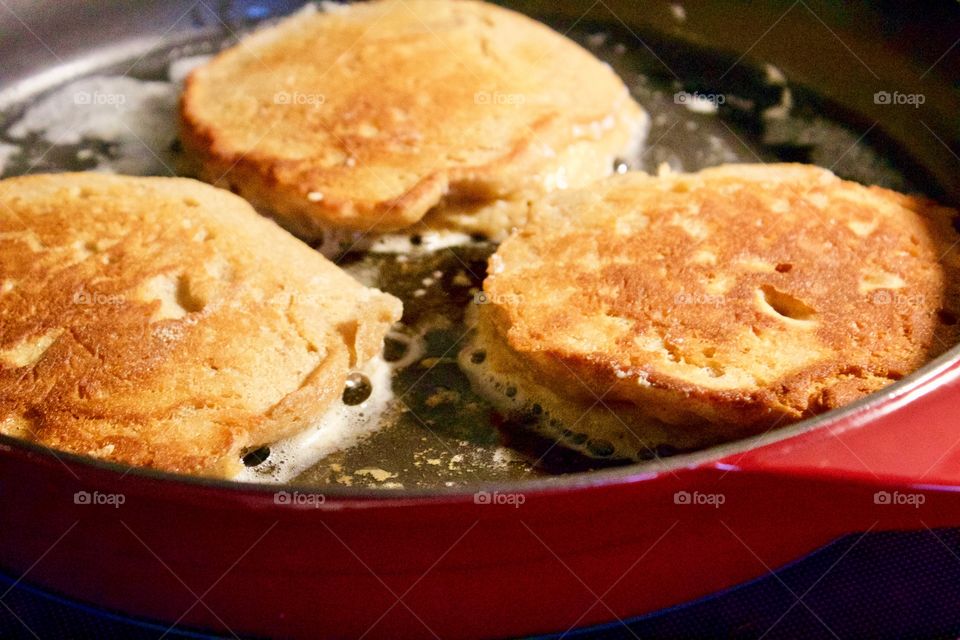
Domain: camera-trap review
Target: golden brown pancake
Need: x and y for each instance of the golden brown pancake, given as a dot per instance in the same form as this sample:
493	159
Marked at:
715	304
367	117
163	323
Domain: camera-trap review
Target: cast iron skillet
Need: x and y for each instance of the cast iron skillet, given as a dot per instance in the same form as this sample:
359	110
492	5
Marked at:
513	558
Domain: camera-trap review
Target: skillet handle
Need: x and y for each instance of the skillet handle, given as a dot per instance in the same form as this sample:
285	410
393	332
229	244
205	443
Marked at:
909	439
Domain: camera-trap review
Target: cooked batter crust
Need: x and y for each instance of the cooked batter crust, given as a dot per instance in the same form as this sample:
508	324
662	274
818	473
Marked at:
163	323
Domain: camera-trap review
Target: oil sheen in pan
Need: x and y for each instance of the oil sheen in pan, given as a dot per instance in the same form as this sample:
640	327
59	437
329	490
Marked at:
410	419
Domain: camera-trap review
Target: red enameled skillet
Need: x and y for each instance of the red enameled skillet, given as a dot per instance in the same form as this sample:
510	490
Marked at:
580	549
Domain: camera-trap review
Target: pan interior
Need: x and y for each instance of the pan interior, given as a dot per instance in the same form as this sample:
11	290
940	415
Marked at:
433	431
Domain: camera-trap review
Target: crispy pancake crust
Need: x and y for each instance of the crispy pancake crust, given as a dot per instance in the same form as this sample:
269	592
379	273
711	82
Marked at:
598	427
163	323
744	296
367	117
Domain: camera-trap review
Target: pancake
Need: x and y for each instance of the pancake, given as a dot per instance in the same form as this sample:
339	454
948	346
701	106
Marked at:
369	116
683	309
161	322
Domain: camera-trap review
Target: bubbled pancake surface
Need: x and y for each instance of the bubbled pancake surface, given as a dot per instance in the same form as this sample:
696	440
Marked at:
163	323
368	116
745	295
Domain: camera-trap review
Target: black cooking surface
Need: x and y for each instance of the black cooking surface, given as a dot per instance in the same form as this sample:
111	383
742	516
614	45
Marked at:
705	109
